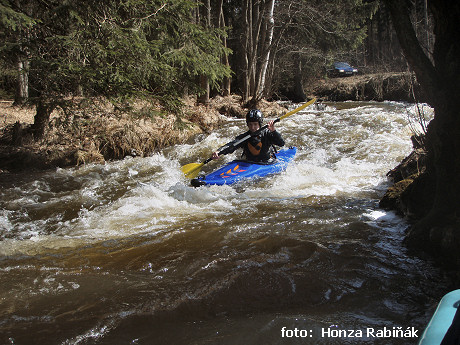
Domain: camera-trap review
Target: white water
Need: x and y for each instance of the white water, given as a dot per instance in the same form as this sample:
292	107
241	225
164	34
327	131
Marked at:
341	152
138	225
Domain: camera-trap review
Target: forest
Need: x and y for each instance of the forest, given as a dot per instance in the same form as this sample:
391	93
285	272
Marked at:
54	52
166	49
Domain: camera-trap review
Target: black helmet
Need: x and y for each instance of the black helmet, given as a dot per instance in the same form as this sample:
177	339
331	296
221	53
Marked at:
255	115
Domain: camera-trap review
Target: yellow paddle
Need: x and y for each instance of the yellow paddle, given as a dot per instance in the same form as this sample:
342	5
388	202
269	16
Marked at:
192	170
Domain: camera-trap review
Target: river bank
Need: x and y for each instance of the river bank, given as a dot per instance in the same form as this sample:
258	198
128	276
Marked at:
379	87
99	131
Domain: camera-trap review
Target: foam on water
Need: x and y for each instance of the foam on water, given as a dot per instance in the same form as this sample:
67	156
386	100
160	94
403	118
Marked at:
128	251
341	151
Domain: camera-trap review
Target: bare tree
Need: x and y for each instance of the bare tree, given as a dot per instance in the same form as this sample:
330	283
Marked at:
221	24
267	39
204	16
22	34
258	28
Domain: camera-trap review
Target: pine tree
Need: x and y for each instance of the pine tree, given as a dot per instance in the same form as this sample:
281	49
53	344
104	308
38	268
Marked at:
115	49
15	28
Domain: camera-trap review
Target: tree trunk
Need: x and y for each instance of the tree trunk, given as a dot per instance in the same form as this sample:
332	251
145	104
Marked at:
22	89
226	83
267	43
22	36
256	42
440	85
41	119
204	84
204	81
253	52
426	23
299	94
246	50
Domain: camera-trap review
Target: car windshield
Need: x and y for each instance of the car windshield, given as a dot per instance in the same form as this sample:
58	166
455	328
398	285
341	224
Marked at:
342	65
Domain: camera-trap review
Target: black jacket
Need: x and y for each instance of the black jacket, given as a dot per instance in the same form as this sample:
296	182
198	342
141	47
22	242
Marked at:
258	148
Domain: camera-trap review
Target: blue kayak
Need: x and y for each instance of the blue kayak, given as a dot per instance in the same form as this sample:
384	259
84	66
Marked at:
442	319
240	169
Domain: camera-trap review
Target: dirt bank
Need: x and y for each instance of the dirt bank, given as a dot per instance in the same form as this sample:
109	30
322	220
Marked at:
98	131
370	87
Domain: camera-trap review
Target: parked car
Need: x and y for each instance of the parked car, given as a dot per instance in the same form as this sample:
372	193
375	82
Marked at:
341	69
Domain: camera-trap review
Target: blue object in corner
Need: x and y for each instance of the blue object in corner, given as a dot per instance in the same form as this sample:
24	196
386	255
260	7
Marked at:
441	319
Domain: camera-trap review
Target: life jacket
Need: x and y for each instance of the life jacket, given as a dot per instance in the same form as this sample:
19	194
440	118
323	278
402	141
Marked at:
260	148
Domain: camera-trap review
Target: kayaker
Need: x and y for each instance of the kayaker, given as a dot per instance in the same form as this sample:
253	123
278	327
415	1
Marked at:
258	148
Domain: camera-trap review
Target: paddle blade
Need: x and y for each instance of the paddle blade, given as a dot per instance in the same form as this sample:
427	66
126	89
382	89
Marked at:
192	170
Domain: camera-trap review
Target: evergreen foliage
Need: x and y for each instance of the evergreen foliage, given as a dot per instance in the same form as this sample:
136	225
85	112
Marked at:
114	48
169	48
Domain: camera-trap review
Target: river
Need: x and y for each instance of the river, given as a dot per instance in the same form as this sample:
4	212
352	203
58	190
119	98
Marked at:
128	253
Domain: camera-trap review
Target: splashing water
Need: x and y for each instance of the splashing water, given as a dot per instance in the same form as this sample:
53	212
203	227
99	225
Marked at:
129	252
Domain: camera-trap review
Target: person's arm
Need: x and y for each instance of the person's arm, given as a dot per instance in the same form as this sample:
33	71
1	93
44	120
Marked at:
228	148
275	136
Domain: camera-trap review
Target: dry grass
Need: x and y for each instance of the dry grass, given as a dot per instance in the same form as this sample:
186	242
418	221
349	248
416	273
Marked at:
10	114
99	131
378	87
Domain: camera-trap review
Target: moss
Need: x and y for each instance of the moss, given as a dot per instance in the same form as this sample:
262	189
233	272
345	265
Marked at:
391	199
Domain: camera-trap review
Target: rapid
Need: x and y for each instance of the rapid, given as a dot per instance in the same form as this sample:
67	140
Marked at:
129	253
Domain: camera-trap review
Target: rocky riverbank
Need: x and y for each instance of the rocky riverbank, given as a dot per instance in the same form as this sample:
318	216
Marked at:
413	189
412	196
